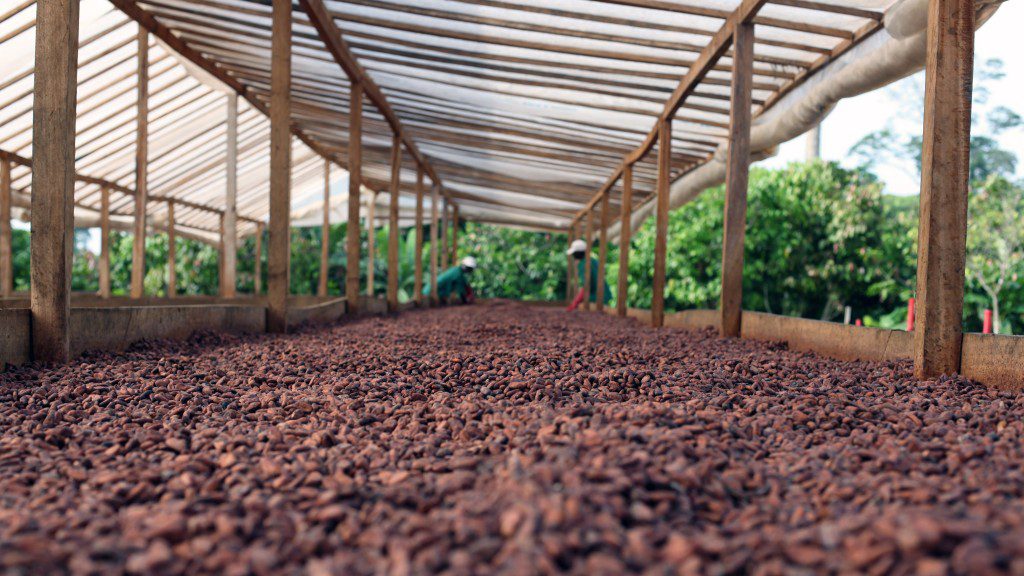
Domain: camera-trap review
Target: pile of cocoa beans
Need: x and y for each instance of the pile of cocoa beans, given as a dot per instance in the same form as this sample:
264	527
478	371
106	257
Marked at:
503	439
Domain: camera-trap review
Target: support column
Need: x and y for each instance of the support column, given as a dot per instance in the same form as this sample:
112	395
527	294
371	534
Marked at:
220	256
371	242
257	281
53	176
6	235
942	234
455	235
172	251
355	181
588	272
731	302
228	273
661	223
444	235
325	232
570	270
625	238
435	199
602	251
417	287
393	232
280	167
141	167
104	262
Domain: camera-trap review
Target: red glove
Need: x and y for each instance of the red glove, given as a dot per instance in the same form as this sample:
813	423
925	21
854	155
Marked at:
577	301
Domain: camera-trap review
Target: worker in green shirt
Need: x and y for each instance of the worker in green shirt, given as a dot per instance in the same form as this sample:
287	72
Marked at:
578	250
455	282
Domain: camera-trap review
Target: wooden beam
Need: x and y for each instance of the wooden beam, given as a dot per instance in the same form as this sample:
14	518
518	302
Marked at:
53	177
355	178
570	269
141	167
625	238
444	235
325	231
737	169
417	289
942	235
661	223
229	282
455	235
257	280
280	167
602	252
172	252
588	237
6	235
104	260
393	231
435	199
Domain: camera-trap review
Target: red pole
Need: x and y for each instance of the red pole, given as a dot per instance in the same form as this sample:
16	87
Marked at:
987	324
858	322
910	315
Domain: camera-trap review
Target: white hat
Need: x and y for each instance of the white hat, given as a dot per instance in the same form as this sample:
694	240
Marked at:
469	262
576	246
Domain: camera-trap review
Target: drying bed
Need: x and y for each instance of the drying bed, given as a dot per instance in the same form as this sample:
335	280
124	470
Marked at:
503	438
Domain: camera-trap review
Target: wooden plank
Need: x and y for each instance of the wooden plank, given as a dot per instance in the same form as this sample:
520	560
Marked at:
371	242
417	289
104	260
172	252
661	223
738	166
257	279
355	180
280	168
942	234
434	252
229	264
602	252
53	177
393	231
325	231
6	235
588	237
141	167
625	239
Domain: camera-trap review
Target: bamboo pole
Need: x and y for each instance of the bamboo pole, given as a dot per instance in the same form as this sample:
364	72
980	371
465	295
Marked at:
229	262
625	238
435	194
355	177
602	252
588	237
945	159
325	232
280	166
661	223
393	231
418	269
141	168
6	234
731	303
172	252
53	174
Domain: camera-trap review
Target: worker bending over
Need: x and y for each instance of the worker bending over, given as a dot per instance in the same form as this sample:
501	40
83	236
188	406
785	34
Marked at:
578	250
455	282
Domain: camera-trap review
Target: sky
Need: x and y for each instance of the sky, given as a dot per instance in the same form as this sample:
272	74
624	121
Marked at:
853	118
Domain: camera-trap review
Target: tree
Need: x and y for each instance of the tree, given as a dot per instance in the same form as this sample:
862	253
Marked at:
995	240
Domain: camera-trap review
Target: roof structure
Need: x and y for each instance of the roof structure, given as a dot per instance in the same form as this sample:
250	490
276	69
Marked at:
522	110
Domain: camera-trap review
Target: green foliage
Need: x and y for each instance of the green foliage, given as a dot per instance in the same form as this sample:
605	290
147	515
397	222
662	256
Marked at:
515	263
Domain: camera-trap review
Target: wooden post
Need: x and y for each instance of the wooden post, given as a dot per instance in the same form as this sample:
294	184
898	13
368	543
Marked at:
942	235
625	238
455	235
417	287
570	271
602	251
280	166
661	223
53	176
104	263
355	180
228	278
141	167
6	235
325	231
371	242
588	237
393	232
731	301
435	199
220	256
257	281
172	252
444	235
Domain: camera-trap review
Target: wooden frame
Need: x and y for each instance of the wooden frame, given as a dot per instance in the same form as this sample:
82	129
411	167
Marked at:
393	231
355	181
229	263
280	168
141	167
325	232
661	224
418	265
625	240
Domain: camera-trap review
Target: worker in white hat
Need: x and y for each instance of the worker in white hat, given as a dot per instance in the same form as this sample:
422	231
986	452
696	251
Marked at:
578	250
455	282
